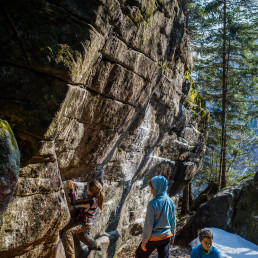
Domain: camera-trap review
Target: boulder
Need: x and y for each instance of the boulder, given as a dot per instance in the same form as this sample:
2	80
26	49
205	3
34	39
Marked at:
244	221
234	209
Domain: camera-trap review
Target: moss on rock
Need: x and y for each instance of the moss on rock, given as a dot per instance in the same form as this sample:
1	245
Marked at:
196	103
6	131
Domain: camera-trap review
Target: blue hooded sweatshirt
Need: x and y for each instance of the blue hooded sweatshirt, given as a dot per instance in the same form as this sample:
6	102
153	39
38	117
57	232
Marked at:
197	252
160	218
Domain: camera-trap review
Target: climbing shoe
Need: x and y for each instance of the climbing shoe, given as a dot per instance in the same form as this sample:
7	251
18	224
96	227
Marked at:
95	249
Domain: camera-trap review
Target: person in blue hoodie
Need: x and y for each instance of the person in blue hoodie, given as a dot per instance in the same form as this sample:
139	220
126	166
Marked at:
205	248
160	221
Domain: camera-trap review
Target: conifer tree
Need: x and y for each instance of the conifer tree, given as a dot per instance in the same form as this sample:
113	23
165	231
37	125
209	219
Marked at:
224	37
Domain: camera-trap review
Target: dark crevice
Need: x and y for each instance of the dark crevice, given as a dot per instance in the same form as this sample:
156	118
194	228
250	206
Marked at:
16	34
234	208
112	60
107	97
75	14
13	100
31	69
28	134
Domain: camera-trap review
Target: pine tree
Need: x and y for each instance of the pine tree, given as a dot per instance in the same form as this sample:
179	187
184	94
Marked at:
225	71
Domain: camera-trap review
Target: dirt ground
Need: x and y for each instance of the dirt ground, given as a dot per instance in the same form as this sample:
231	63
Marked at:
176	251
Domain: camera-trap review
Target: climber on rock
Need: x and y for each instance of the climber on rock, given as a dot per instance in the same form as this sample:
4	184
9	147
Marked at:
160	221
87	206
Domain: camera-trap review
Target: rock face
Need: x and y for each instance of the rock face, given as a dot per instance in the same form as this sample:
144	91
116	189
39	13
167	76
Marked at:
245	217
234	209
9	165
87	83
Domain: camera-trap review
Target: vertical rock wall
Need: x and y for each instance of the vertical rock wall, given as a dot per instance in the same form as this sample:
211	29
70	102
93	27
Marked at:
84	83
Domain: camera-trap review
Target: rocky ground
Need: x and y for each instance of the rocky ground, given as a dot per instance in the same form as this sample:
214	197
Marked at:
179	251
175	251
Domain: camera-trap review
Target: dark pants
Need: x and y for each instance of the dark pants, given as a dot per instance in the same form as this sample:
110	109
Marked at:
80	230
162	247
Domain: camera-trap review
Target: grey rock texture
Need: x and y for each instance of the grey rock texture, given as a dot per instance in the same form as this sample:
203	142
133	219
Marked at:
245	214
234	209
88	83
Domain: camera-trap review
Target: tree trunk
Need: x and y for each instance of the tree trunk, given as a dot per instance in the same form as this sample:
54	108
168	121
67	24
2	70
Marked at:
190	196
217	176
222	172
185	201
212	170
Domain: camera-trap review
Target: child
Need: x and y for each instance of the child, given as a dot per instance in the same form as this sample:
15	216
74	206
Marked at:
205	248
87	208
160	221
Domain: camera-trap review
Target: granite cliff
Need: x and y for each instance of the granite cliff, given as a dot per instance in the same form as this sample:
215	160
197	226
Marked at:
88	83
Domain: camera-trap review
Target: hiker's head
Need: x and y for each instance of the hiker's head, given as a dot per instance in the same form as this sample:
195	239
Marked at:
94	187
159	185
205	238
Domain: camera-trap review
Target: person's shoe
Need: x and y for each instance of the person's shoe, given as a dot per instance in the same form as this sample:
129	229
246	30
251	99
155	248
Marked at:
95	249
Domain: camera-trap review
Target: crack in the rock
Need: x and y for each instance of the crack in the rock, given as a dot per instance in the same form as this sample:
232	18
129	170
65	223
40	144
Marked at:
136	49
128	68
28	134
38	193
69	83
108	97
234	203
32	69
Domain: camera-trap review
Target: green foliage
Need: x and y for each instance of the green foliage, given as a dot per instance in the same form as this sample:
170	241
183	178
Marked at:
205	27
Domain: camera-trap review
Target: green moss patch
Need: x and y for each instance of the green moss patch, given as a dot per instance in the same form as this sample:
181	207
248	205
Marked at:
7	131
196	103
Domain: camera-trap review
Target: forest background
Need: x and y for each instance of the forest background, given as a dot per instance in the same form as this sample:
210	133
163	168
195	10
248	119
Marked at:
223	36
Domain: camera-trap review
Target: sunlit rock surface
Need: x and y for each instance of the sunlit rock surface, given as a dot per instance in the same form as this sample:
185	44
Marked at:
87	83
